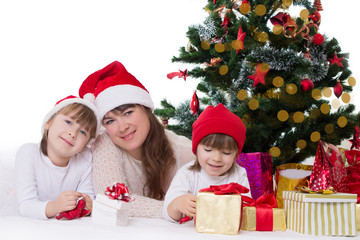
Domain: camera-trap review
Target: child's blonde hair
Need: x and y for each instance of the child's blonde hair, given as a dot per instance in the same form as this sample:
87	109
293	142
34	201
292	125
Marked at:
218	141
82	114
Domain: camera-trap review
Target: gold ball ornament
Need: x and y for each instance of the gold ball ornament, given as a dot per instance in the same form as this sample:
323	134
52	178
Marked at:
224	69
329	128
262	37
315	136
326	92
244	8
275	151
352	81
219	47
301	144
287	3
278	81
316	94
342	121
282	115
325	108
304	14
291	88
242	94
253	104
298	117
264	67
205	45
260	10
277	29
345	97
237	44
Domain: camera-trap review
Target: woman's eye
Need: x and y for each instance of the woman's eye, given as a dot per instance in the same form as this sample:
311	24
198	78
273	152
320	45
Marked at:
128	113
107	122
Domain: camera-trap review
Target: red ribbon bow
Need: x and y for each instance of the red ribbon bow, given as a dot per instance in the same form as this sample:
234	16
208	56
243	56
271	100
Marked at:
77	212
264	213
231	188
118	191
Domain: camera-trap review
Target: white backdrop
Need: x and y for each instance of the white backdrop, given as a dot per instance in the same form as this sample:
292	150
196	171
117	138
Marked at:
47	48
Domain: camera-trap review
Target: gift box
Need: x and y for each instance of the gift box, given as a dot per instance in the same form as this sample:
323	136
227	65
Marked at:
218	213
218	208
358	217
288	177
320	214
112	208
110	212
259	167
263	219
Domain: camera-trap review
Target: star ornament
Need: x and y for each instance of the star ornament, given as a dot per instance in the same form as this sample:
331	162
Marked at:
261	70
240	37
179	74
336	60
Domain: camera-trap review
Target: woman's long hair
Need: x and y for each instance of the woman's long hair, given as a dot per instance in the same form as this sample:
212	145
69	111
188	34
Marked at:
158	156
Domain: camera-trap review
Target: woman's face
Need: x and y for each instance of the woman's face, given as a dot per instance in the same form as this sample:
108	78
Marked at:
128	129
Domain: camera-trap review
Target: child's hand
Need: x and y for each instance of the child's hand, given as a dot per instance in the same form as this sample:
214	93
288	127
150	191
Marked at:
184	204
88	202
66	201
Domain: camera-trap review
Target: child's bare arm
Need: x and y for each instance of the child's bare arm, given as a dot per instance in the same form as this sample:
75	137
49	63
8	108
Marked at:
184	204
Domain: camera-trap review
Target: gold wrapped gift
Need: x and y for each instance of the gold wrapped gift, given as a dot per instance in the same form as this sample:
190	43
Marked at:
218	213
249	219
358	217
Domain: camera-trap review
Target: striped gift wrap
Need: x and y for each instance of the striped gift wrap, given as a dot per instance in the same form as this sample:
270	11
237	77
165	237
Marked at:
321	214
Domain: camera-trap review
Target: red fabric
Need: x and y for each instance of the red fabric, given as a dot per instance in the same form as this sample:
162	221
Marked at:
77	212
113	74
68	97
218	120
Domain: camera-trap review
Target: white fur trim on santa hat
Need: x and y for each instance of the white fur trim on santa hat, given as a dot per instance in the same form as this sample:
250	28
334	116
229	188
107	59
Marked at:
118	95
69	101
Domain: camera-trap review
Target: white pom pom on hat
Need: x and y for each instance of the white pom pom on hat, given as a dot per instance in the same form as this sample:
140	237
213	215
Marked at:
113	86
67	101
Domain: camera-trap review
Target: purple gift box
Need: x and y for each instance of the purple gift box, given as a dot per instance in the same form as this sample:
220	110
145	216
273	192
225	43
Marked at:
258	166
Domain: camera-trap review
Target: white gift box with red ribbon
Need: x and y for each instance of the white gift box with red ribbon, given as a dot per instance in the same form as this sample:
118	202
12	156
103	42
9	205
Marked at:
109	211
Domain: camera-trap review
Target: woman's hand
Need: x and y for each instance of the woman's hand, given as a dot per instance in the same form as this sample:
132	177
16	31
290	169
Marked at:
184	204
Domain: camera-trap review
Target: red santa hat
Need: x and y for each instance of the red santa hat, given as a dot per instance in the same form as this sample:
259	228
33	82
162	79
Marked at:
114	86
218	120
67	101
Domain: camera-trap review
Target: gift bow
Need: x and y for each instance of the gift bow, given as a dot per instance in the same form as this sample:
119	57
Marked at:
264	201
118	191
78	212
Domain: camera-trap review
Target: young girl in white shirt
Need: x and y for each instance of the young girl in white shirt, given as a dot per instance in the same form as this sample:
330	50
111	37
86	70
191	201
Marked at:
53	175
217	139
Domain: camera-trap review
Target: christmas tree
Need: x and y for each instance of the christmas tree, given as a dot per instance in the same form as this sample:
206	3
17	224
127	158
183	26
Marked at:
269	63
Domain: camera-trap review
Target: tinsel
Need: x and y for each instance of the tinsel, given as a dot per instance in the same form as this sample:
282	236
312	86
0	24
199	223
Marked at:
206	32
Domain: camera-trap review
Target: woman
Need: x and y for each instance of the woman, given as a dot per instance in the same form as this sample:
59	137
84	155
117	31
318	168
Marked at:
135	149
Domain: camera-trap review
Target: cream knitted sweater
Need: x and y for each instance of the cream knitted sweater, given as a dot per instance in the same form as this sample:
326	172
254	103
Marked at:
112	164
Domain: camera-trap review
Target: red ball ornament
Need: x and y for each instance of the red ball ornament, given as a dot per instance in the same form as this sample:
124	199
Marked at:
338	89
316	18
318	39
306	85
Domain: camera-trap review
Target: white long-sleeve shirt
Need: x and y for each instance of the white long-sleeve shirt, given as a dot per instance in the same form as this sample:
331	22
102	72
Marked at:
39	181
190	181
